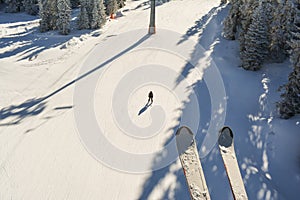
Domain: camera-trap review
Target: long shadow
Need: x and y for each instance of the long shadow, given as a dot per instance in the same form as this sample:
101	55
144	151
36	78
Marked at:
30	104
144	108
144	38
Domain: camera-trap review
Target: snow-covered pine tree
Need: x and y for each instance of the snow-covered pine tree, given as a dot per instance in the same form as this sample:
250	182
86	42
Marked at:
276	35
92	14
121	3
98	17
160	2
31	6
64	16
112	7
14	6
223	1
48	14
75	3
95	18
246	9
256	41
269	7
83	17
102	15
231	21
288	23
105	5
290	104
280	30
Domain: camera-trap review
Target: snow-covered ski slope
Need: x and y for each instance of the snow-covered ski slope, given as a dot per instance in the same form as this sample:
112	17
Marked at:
73	119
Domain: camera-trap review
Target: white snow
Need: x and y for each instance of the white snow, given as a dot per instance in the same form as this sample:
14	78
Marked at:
48	98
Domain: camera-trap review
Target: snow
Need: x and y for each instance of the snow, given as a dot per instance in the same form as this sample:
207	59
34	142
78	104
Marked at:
53	87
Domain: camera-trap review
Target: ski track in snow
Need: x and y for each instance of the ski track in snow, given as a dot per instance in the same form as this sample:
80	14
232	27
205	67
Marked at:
41	154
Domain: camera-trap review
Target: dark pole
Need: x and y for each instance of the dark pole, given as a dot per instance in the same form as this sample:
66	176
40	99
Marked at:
152	29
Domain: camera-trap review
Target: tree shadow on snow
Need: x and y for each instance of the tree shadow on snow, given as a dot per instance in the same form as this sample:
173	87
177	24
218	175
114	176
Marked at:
199	25
253	133
146	4
30	41
28	108
252	139
198	28
212	163
15	17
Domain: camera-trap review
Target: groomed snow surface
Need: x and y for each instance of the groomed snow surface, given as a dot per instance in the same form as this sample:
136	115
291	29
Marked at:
75	123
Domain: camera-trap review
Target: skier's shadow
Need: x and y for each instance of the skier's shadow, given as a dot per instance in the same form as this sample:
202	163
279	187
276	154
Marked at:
148	104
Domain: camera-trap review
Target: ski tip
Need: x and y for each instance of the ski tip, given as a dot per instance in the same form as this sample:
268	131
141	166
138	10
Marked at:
225	137
228	130
184	139
184	129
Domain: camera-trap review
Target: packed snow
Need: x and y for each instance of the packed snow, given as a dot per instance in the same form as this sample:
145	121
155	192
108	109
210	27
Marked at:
55	88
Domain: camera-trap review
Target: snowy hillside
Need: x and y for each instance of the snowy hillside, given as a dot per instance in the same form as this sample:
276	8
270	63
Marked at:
74	118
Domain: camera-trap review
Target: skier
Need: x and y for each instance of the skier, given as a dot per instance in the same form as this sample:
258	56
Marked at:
150	97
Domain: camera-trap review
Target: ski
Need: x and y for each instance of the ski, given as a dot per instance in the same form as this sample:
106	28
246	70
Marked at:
191	165
226	146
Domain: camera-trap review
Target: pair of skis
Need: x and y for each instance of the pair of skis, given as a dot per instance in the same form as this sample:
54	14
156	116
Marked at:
191	165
